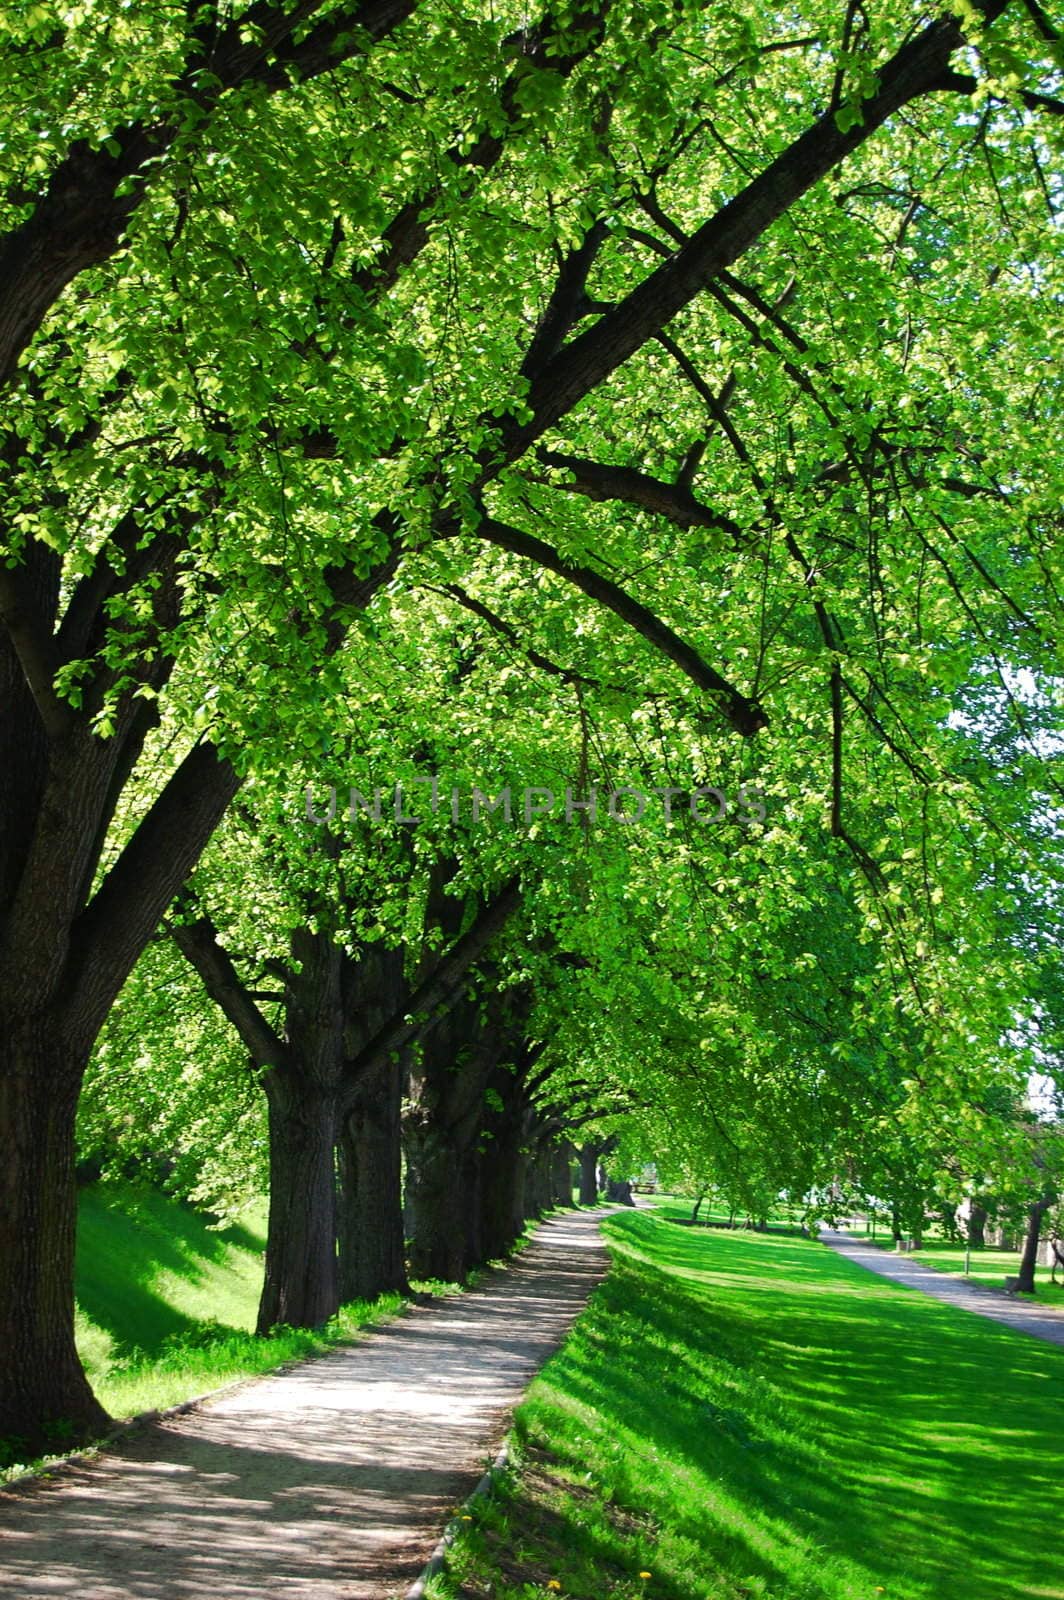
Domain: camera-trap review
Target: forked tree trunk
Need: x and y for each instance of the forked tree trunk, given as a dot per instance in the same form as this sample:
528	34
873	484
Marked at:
45	1398
300	1287
370	1215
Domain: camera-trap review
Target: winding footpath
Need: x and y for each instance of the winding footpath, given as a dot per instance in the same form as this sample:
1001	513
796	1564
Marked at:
1026	1316
329	1482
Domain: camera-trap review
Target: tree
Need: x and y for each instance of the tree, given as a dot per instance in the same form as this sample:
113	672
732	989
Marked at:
250	380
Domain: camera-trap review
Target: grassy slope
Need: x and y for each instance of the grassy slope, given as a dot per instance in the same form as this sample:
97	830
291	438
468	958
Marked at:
166	1303
749	1415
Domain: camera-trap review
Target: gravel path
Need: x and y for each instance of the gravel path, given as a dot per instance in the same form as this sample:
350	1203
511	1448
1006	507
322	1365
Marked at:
329	1482
1027	1316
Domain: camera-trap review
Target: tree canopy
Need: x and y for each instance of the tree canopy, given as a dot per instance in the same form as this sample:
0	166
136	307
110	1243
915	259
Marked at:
654	398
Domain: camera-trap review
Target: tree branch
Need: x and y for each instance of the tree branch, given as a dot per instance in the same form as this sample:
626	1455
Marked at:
743	714
35	651
197	939
109	935
438	990
916	69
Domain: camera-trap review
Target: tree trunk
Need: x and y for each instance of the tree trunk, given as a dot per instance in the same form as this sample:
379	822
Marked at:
1029	1256
45	1399
435	1176
977	1227
538	1183
561	1174
301	1287
501	1192
370	1214
589	1155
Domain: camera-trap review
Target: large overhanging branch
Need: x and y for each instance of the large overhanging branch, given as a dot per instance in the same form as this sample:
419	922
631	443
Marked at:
117	923
606	481
91	195
920	67
408	232
196	936
743	714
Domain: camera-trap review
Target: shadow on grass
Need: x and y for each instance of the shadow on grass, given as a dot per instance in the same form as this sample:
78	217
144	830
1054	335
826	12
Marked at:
796	1428
127	1240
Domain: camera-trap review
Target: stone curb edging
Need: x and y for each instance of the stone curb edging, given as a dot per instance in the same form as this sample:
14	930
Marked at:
438	1559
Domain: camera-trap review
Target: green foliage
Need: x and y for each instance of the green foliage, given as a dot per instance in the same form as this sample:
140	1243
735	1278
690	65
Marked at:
845	438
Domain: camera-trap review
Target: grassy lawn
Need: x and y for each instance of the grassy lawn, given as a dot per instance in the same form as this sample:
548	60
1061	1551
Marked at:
989	1267
744	1414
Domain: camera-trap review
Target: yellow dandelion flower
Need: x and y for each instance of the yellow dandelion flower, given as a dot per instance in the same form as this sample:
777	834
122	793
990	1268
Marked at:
646	1574
552	1583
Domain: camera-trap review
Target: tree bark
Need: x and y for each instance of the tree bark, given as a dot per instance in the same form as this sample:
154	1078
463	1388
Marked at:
300	1287
45	1398
588	1191
977	1227
1029	1255
436	1172
562	1174
370	1216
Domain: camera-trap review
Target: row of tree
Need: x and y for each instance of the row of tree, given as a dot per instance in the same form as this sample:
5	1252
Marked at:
657	397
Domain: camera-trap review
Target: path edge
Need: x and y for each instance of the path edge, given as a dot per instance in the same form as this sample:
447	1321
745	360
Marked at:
127	1426
438	1559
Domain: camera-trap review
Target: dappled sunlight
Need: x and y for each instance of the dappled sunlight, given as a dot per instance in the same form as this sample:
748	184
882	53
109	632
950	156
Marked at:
765	1397
331	1479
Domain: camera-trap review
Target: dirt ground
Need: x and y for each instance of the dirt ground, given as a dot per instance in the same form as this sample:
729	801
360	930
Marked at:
329	1482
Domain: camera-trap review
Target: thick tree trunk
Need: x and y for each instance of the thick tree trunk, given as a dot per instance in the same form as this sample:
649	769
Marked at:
301	1287
521	1204
455	1062
588	1191
538	1188
561	1175
1029	1255
501	1193
370	1214
436	1176
45	1398
977	1227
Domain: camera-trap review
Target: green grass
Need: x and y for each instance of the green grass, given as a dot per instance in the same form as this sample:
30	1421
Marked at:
749	1415
167	1304
989	1266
